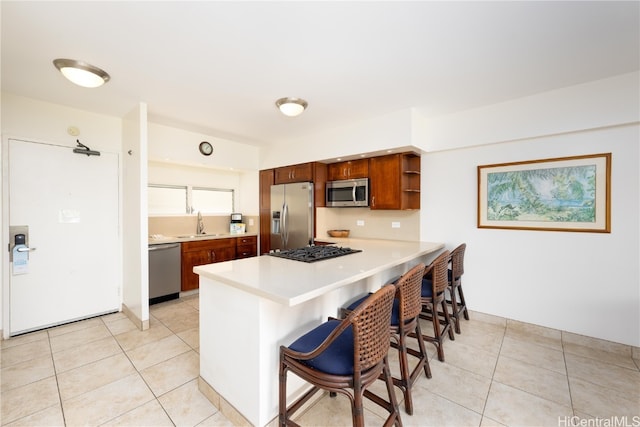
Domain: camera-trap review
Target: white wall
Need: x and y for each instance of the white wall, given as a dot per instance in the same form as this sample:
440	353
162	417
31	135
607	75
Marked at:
392	131
602	103
248	201
42	121
172	145
586	283
135	226
175	159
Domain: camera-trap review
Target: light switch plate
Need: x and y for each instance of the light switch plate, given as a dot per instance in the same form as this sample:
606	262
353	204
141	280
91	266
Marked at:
395	224
360	222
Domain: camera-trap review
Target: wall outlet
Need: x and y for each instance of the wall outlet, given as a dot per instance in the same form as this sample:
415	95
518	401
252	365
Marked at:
395	224
250	221
360	222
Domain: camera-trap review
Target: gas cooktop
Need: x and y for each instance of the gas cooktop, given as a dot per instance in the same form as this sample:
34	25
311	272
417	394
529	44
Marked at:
314	253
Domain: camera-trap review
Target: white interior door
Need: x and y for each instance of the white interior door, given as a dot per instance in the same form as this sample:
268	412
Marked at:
70	204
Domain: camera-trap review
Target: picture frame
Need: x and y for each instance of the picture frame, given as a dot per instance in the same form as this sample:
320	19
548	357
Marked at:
556	194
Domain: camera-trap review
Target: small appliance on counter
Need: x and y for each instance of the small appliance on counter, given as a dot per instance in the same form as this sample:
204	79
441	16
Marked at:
237	226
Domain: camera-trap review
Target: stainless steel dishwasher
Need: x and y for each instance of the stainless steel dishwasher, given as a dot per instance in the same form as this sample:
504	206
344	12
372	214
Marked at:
164	272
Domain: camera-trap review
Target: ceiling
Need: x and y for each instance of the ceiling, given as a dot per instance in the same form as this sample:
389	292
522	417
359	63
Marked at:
218	67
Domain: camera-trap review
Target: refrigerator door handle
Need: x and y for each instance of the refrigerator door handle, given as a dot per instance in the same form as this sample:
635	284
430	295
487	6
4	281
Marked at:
285	231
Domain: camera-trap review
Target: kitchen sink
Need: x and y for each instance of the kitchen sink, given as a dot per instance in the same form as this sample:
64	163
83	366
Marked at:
199	236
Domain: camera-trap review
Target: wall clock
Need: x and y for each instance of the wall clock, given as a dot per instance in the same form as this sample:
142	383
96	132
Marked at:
205	148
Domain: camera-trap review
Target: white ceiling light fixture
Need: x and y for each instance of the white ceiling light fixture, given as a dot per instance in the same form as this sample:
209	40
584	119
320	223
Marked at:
291	106
81	73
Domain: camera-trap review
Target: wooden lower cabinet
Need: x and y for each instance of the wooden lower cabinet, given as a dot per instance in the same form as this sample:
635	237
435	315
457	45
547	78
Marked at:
246	247
204	252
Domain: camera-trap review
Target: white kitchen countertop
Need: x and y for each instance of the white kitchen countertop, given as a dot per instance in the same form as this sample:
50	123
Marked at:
291	282
159	239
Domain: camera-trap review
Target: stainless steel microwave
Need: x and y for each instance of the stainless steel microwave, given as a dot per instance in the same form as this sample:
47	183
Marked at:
348	193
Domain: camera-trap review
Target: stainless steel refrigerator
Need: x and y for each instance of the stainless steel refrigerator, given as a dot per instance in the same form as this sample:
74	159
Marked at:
291	215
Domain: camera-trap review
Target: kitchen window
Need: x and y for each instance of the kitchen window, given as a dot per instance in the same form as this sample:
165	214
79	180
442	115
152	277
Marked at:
211	200
181	200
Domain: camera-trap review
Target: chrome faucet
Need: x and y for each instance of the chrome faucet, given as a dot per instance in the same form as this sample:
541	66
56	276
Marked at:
200	227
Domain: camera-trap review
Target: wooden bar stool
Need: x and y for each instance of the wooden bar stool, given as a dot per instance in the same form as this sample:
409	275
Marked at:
434	305
344	356
405	323
456	302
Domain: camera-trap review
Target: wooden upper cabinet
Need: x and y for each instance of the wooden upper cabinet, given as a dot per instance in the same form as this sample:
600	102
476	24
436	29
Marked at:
305	172
348	170
294	173
410	181
384	182
319	185
395	181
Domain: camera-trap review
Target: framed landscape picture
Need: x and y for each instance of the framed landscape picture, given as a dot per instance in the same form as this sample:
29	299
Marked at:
561	194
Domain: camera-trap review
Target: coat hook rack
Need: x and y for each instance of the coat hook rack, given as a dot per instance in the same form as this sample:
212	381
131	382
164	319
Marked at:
83	149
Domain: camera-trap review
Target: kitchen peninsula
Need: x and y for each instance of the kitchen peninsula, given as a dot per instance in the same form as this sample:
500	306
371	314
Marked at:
249	307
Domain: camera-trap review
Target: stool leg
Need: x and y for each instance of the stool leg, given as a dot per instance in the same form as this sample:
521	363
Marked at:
447	320
405	380
358	407
282	404
393	403
463	303
436	332
423	350
454	308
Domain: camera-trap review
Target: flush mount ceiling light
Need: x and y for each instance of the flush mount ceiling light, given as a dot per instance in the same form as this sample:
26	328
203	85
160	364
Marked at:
291	106
81	73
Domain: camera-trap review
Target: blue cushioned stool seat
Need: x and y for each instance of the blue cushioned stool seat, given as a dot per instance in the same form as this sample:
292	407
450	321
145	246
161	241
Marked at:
427	288
356	303
337	359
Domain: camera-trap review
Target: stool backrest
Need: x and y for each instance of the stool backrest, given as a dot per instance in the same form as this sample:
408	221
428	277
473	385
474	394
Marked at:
409	288
457	261
370	323
440	272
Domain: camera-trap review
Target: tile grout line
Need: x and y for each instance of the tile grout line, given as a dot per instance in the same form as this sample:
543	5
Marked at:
595	384
566	369
141	377
495	366
542	367
55	374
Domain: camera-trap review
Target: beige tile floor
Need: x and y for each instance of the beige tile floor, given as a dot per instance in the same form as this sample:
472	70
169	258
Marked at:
103	371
